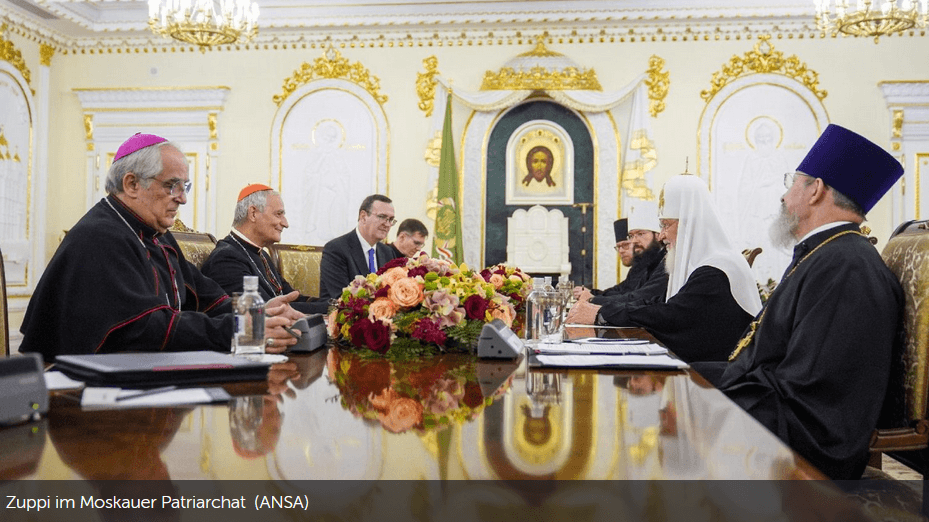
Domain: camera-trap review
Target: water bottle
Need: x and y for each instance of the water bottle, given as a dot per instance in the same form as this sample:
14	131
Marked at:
249	335
533	309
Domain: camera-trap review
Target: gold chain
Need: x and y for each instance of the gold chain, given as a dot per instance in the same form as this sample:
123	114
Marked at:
753	327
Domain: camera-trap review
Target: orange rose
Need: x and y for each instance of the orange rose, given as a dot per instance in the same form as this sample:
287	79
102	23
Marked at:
403	413
393	275
504	313
496	280
406	292
382	308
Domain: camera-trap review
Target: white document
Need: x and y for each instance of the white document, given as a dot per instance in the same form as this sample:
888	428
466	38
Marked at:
613	361
55	380
600	347
94	397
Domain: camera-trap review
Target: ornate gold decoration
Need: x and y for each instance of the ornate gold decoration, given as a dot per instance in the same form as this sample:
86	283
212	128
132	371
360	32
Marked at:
434	150
897	131
179	226
46	52
541	78
10	53
332	66
764	59
89	130
870	17
634	171
199	22
211	123
425	85
658	84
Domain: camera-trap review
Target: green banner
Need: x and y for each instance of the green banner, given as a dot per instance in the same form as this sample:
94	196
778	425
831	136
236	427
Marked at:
447	243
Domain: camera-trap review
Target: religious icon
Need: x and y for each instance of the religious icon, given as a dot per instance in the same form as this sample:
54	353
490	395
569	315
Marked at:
539	165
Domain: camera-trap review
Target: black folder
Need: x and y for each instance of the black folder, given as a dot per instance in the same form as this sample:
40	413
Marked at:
141	370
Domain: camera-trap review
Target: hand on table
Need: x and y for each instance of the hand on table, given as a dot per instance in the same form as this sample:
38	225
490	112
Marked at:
583	313
278	314
583	296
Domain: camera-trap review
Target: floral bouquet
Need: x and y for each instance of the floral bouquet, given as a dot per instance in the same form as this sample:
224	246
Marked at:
423	395
423	306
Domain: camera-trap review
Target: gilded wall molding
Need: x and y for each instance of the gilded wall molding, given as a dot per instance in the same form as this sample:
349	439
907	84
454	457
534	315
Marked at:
10	53
541	69
426	83
332	65
658	83
46	52
764	59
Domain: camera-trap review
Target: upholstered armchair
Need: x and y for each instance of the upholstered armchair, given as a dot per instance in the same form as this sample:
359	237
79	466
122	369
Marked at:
196	246
299	266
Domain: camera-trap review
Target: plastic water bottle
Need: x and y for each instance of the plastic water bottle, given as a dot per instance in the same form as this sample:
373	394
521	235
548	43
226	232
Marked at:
249	335
533	316
544	313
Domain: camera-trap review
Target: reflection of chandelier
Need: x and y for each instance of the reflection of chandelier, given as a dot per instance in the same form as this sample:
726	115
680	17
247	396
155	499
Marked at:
870	17
204	22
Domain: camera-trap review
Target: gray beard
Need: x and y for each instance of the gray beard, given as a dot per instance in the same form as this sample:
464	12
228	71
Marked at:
669	261
783	228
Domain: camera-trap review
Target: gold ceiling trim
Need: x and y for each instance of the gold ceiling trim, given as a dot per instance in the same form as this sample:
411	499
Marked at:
540	78
658	83
764	59
332	65
10	53
426	84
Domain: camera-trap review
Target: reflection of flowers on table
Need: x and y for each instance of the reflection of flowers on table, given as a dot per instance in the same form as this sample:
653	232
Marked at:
401	395
423	306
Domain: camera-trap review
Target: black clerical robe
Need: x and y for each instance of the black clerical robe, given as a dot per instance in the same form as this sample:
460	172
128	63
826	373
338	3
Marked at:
702	322
646	282
233	258
115	284
817	369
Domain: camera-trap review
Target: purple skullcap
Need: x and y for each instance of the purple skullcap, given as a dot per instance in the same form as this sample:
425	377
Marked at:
137	142
852	165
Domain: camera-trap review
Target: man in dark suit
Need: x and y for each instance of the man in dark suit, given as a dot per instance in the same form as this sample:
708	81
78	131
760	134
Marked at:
360	251
411	237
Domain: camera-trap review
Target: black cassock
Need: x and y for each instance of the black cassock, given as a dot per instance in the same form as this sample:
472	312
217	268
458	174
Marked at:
817	369
115	284
234	258
646	282
702	322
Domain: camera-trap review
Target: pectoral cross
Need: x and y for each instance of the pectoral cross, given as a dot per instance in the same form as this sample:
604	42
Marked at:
745	340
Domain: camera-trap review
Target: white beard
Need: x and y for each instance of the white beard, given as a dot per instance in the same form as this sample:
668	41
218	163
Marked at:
783	228
669	261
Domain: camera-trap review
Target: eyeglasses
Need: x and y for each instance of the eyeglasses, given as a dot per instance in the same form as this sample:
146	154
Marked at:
621	246
638	233
789	178
666	223
385	218
176	187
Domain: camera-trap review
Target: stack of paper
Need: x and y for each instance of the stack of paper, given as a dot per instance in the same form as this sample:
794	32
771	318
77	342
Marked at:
94	398
599	352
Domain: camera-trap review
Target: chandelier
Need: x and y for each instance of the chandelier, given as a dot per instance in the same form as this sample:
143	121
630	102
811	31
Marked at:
870	17
204	22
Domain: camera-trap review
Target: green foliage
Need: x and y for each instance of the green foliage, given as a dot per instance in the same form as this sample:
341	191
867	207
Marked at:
467	333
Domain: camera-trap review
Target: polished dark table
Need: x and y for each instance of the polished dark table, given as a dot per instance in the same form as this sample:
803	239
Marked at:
333	415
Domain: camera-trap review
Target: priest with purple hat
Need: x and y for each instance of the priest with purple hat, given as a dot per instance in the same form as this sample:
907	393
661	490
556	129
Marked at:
815	363
119	282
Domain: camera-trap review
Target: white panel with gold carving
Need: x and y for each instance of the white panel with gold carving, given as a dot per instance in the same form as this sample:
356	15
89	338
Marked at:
908	106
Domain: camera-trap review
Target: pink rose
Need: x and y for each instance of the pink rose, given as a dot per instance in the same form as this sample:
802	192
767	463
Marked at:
332	324
383	308
504	313
496	280
406	292
393	275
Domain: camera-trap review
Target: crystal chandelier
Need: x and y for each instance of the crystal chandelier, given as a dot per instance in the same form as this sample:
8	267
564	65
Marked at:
870	17
204	22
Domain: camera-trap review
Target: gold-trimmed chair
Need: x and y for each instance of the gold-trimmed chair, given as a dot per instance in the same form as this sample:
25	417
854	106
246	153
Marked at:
907	256
4	321
299	266
196	246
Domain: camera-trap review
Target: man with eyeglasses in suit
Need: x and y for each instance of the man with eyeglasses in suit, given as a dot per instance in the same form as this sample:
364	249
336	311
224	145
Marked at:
119	281
360	251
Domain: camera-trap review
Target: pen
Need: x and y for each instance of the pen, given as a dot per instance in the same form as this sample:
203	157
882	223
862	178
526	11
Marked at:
143	393
291	332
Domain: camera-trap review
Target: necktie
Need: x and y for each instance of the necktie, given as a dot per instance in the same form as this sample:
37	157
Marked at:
371	267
